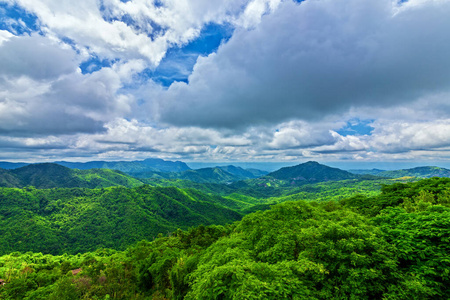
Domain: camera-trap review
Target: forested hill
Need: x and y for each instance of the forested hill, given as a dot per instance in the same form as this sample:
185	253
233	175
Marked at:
10	165
391	246
243	173
53	175
420	172
311	172
205	175
147	165
76	220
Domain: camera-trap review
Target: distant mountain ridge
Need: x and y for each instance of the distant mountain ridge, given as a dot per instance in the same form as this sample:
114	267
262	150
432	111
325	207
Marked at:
49	175
420	172
311	171
366	171
146	165
149	164
222	174
10	165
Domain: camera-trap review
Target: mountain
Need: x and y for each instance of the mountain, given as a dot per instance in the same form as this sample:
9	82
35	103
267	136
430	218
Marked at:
366	171
243	173
77	220
49	175
10	165
147	165
204	175
210	175
8	180
421	172
256	172
392	245
311	172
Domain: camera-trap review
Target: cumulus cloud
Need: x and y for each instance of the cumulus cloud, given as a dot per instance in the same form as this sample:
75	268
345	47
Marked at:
36	57
4	36
136	29
42	91
282	87
317	58
298	134
406	136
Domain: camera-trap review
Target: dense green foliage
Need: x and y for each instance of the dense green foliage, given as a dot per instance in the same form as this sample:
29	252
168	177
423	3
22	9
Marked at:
392	245
53	175
311	172
147	165
421	172
76	220
225	175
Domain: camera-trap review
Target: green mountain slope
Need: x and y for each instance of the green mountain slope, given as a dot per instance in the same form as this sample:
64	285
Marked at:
204	175
79	220
366	171
242	173
421	172
393	245
53	175
311	172
10	165
211	175
8	180
147	165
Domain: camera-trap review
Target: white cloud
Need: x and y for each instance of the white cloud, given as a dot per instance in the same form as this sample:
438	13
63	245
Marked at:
43	92
314	59
36	57
409	135
4	36
289	78
134	29
298	134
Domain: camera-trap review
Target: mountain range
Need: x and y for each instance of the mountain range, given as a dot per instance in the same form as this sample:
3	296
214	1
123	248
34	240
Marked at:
311	171
51	175
146	165
78	220
419	172
219	174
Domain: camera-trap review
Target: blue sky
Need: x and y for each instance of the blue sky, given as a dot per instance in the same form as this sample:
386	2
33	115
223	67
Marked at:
219	81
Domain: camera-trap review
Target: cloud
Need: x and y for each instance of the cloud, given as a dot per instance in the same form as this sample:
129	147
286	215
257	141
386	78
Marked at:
42	91
287	86
36	57
315	59
136	29
301	135
4	36
404	136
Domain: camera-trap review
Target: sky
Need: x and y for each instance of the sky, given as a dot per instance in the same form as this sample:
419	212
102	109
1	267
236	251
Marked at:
217	81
